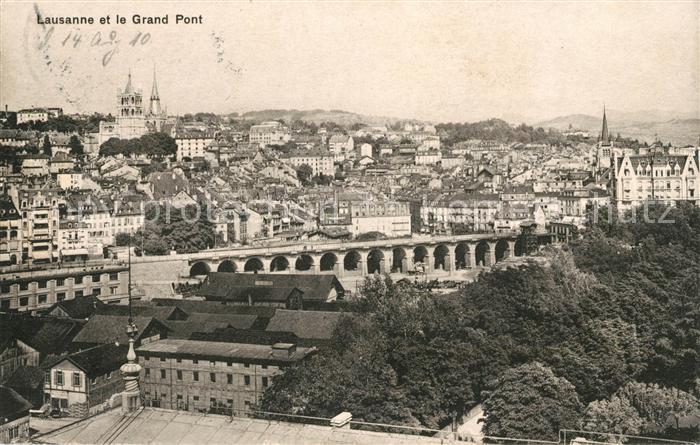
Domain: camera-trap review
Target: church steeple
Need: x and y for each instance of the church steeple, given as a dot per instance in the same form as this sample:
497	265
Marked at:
129	89
604	136
154	90
155	108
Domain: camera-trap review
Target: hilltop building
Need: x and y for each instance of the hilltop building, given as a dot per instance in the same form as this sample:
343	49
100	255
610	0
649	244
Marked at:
132	119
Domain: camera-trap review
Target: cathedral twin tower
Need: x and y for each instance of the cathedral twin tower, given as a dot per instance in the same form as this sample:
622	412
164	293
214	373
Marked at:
132	121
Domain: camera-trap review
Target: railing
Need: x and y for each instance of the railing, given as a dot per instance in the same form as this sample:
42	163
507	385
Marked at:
71	265
309	247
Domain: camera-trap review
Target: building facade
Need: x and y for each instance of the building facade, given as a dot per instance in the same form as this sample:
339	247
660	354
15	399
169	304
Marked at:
320	161
269	133
83	383
31	288
202	376
132	118
656	176
192	145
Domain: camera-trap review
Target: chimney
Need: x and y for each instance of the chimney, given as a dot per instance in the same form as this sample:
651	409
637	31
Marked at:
283	350
342	420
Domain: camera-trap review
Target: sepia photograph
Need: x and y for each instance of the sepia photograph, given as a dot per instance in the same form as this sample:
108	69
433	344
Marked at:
350	222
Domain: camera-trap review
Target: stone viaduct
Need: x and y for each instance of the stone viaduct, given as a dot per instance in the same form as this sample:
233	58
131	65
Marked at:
447	253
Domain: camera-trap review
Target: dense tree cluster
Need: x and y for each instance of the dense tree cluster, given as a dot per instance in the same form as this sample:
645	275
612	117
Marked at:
66	124
151	144
183	230
567	338
497	130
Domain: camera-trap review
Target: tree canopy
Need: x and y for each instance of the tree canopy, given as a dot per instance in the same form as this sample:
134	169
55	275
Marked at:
620	305
151	144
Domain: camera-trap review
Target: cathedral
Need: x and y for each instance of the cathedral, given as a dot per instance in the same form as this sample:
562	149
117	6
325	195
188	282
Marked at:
132	120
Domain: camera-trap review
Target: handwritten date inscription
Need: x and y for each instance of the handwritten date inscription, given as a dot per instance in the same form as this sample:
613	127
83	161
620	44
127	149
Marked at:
110	43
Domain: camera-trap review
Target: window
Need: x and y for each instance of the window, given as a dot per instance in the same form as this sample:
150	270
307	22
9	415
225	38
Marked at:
229	402
42	298
162	373
58	378
195	398
212	401
247	403
78	280
47	377
179	360
60	296
264	366
148	372
246	380
42	284
195	375
24	301
76	379
212	377
247	365
229	379
264	382
229	363
78	293
23	286
113	277
162	359
195	362
179	375
60	281
179	397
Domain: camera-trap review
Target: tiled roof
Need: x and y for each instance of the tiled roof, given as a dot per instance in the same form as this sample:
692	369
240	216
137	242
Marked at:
160	313
315	287
46	335
240	321
111	329
213	307
12	404
82	307
224	350
255	337
305	324
184	329
96	361
26	377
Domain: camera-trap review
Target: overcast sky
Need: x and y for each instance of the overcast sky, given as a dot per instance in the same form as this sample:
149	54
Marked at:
444	61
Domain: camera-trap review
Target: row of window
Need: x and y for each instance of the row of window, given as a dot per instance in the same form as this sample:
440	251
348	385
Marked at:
195	361
212	377
58	378
180	399
43	284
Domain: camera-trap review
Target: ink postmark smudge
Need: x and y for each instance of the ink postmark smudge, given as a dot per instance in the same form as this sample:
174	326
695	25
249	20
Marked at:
51	52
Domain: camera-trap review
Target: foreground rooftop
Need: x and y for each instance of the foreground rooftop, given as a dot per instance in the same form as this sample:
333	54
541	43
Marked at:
154	426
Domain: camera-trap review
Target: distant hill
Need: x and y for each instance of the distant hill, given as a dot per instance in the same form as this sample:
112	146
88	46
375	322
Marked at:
679	131
341	117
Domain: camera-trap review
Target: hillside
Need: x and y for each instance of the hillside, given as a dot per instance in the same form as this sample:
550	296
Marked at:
318	116
677	131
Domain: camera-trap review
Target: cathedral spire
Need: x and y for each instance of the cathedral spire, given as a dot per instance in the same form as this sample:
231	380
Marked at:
129	89
604	137
154	90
